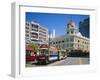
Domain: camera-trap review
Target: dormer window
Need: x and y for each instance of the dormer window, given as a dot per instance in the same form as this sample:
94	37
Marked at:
72	32
67	32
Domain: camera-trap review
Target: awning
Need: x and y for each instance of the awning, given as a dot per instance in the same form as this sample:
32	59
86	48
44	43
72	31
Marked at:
44	46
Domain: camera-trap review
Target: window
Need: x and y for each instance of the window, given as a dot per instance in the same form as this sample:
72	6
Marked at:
67	32
71	45
78	46
59	46
78	40
67	45
72	39
63	46
62	41
34	29
56	46
32	25
27	24
72	32
53	42
27	31
35	26
50	42
67	40
27	27
87	47
27	34
59	42
87	43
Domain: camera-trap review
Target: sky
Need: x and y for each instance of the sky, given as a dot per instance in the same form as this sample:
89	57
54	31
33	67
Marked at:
55	21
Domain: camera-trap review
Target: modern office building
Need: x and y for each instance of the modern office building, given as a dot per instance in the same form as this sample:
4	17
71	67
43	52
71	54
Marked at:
72	40
35	33
84	27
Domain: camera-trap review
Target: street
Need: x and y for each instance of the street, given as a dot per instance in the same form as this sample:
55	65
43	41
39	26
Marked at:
67	61
71	61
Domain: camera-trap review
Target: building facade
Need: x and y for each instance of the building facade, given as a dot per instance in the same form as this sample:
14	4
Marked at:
72	40
35	33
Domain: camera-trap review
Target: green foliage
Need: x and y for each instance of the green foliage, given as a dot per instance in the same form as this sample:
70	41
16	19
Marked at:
35	47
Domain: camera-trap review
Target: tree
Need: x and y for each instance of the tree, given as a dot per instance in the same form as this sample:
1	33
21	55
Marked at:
35	47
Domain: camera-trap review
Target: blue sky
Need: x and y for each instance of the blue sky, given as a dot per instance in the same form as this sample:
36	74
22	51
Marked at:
55	21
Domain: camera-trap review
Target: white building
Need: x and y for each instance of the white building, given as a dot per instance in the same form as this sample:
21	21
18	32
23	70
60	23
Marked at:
35	33
72	40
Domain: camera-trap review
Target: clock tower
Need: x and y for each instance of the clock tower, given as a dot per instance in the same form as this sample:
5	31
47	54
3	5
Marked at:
71	28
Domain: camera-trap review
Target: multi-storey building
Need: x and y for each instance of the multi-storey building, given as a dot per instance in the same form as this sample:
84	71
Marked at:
72	40
84	27
35	33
